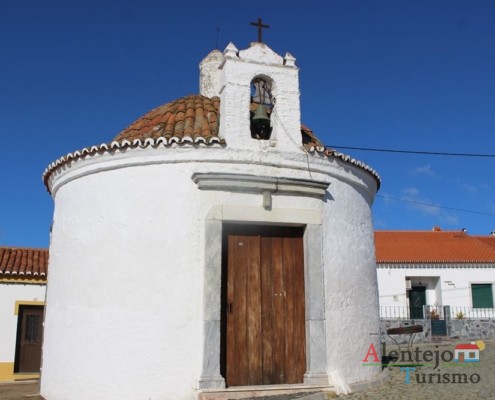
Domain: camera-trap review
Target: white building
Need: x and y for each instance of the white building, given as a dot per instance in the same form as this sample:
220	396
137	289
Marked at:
213	247
436	268
22	297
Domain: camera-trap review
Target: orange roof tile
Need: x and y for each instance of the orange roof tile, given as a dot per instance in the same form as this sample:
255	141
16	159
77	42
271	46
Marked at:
431	247
490	240
309	139
23	262
190	116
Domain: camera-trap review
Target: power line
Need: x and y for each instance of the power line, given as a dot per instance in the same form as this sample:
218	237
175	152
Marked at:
436	206
431	153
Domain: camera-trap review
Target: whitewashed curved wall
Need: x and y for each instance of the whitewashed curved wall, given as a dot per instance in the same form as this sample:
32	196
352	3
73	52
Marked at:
125	292
351	295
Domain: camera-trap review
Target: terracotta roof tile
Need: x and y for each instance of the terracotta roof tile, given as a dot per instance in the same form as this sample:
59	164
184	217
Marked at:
191	116
490	240
309	138
431	247
23	262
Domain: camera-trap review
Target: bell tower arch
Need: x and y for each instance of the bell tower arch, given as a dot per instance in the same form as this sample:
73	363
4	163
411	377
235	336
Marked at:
267	115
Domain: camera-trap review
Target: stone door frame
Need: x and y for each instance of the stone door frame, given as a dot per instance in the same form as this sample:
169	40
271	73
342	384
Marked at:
210	377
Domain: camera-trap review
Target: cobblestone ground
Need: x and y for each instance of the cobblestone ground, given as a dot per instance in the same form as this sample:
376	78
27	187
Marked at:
424	380
479	377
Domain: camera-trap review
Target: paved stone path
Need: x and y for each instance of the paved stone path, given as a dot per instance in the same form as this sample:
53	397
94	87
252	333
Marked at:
426	388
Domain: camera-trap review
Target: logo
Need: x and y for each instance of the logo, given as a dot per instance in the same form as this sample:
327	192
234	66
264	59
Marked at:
409	360
468	352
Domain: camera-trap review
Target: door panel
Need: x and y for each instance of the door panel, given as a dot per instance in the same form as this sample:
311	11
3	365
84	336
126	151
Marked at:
253	310
417	299
29	339
265	332
269	346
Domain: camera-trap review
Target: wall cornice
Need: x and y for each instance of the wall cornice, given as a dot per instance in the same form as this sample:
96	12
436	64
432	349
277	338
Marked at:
259	184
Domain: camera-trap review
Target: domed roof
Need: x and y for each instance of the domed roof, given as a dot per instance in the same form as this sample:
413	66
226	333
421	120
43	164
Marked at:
192	117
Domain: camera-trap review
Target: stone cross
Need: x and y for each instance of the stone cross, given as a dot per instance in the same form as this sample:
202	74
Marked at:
260	26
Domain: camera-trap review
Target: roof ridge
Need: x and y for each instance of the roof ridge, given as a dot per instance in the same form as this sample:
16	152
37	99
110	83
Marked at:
479	238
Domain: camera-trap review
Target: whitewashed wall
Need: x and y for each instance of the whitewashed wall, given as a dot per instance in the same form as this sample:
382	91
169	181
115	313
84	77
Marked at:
453	286
350	279
124	301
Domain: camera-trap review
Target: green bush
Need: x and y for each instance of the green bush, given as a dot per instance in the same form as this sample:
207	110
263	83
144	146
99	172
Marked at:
460	315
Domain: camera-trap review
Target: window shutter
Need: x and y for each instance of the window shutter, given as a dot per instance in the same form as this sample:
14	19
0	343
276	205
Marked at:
482	295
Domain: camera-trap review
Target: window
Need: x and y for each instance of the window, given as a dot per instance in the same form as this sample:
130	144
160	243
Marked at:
482	295
32	328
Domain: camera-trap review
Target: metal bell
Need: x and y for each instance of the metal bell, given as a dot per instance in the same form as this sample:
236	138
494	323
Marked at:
260	124
260	115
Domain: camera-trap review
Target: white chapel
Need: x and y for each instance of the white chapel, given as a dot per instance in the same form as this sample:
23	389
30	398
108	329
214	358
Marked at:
214	249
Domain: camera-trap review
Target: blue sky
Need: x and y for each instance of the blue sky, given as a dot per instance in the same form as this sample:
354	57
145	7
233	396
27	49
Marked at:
384	74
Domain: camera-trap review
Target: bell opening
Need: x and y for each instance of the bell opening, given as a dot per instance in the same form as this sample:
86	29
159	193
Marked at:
261	92
261	108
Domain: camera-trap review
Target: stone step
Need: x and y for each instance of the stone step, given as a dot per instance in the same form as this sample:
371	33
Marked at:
279	393
298	396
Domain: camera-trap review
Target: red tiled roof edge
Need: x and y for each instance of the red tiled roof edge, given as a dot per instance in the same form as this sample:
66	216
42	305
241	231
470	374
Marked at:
18	262
431	247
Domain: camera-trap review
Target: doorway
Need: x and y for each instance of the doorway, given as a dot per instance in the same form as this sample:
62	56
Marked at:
29	339
263	305
417	299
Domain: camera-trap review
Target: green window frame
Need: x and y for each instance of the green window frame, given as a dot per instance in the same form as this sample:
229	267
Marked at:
482	295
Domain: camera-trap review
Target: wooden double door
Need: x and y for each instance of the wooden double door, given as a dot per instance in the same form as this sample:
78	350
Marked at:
263	306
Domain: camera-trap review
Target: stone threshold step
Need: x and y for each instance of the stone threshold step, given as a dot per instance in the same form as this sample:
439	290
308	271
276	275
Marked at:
298	396
276	392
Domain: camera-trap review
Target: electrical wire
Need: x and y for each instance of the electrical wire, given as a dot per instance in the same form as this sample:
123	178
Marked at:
431	153
436	206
